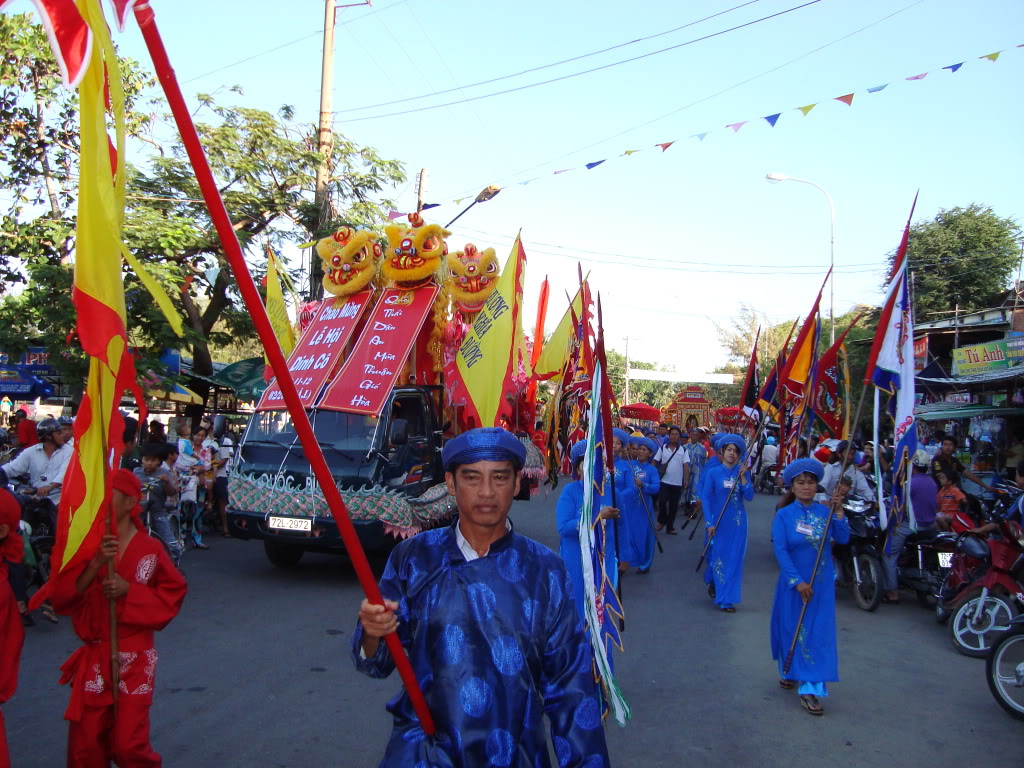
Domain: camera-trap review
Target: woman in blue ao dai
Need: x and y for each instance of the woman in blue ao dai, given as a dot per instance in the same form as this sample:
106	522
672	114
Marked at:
637	545
626	499
725	520
796	533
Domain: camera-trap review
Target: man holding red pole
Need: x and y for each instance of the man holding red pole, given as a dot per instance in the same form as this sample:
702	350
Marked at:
488	619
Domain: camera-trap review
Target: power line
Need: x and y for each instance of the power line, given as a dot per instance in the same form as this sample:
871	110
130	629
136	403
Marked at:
586	71
546	66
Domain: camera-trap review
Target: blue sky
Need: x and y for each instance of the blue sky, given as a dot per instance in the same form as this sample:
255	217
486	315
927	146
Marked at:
679	239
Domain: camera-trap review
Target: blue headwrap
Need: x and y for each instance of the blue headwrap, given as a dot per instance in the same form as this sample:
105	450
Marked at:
770	440
483	444
577	451
798	467
716	437
622	434
649	444
727	439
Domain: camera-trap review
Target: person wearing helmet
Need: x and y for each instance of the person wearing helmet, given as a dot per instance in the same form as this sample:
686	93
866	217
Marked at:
769	461
923	493
44	462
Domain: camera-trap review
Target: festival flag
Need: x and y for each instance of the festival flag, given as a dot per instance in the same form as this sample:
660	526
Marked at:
70	38
736	126
553	357
772	119
538	340
799	369
98	293
495	338
847	99
991	56
591	166
878	88
277	311
751	386
954	67
831	397
699	136
922	76
601	607
890	369
665	145
807	108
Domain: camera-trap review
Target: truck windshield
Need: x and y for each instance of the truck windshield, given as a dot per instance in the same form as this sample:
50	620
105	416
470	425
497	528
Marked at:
345	432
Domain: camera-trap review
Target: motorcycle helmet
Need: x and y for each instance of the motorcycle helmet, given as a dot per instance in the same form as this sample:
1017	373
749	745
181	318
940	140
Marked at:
46	427
770	440
65	421
921	458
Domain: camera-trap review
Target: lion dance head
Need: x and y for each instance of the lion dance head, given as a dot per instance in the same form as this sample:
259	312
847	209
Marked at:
414	252
474	276
350	257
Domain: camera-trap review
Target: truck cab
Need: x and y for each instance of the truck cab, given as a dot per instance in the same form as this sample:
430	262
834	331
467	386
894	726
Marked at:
275	497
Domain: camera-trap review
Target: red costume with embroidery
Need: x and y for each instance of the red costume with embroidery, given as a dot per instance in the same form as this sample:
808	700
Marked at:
12	633
155	593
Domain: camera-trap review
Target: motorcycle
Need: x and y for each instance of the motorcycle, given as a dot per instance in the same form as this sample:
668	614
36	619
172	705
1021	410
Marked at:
149	503
986	605
1004	669
860	560
924	563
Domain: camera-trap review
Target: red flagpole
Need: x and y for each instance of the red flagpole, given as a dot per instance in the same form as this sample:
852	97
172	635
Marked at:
222	222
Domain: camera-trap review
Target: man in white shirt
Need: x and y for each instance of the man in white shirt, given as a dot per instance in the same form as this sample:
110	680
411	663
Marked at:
45	462
676	461
769	458
222	460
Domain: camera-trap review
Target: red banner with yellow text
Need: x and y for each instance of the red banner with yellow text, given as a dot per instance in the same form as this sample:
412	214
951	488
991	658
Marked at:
369	374
318	351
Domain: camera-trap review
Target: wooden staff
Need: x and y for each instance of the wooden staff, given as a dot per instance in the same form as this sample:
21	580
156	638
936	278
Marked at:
821	544
728	499
650	520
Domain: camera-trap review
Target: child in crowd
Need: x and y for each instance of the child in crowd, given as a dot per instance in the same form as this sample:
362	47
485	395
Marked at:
952	502
188	467
158	484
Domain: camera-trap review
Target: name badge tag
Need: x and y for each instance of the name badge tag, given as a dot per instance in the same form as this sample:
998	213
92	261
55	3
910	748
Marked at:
728	483
804	528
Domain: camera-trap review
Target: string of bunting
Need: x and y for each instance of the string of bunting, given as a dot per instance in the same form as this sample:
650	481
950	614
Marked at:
772	120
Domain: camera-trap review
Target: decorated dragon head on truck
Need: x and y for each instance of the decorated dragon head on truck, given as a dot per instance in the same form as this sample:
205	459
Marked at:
474	276
350	258
414	251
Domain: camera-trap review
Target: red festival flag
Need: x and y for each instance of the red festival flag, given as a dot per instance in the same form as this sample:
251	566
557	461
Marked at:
828	404
800	361
748	398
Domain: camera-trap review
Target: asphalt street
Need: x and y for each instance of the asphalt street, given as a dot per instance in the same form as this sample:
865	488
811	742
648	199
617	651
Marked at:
255	671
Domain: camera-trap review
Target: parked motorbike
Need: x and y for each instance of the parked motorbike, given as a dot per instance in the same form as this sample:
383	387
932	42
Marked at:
985	606
1004	669
924	563
860	560
149	503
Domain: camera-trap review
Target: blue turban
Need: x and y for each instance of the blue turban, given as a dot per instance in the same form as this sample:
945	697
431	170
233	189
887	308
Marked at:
798	467
649	444
727	439
716	437
577	451
483	444
622	434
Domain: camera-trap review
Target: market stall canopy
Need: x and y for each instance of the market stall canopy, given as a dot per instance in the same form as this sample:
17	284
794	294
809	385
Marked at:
1003	374
641	411
176	394
246	378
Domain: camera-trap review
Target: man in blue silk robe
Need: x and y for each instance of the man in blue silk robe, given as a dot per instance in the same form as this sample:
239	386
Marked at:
488	620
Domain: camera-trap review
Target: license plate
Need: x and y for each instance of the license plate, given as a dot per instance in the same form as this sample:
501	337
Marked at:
291	523
945	559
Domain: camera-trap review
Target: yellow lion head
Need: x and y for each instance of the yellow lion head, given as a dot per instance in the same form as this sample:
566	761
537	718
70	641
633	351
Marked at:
350	257
414	251
474	276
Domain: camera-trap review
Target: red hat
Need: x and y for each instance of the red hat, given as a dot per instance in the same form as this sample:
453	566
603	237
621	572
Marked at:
12	548
822	453
125	481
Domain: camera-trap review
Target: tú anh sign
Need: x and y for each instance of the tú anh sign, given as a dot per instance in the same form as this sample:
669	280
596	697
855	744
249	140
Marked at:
979	358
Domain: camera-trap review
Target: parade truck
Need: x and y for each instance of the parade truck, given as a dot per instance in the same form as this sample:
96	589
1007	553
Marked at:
368	369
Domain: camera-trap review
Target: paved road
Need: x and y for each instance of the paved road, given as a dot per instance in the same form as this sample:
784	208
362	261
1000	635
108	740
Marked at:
255	672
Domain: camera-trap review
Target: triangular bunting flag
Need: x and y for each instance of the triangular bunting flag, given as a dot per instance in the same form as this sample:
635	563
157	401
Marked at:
428	206
847	99
878	88
665	146
736	126
630	151
991	56
807	109
459	201
922	76
699	136
564	170
524	183
954	67
392	215
594	164
773	119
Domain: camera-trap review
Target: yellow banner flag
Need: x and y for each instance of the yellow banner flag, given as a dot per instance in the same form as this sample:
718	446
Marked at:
277	309
552	359
493	353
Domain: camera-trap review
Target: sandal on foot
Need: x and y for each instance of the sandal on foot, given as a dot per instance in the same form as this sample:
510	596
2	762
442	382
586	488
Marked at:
48	613
711	590
812	705
728	609
787	684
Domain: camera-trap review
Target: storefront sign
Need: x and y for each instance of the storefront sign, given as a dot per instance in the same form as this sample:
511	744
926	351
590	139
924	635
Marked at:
979	358
1015	351
35	361
319	349
920	354
366	379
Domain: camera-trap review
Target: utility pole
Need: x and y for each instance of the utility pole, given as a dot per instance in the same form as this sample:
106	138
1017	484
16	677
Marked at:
625	394
956	327
421	188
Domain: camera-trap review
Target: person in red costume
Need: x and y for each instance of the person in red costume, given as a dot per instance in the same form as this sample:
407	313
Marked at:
148	590
12	633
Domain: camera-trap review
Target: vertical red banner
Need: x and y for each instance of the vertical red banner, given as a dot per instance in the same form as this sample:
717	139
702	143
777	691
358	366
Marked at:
317	352
369	374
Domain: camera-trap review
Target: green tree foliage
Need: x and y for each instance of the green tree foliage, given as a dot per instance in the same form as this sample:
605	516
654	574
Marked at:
264	164
963	256
656	393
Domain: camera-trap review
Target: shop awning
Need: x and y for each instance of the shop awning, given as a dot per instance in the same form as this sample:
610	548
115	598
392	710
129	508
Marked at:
641	411
178	394
1004	374
245	377
964	412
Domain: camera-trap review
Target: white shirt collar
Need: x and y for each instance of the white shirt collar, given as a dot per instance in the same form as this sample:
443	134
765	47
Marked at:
466	548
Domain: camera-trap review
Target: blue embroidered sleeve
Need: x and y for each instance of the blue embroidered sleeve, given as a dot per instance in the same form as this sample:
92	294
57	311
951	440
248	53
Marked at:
840	531
568	511
381	664
779	541
652	482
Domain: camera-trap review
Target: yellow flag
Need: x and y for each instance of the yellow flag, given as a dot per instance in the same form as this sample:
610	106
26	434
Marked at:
552	358
493	353
277	309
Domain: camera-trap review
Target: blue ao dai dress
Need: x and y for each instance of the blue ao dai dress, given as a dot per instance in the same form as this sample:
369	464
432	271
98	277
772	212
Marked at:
729	545
637	544
796	532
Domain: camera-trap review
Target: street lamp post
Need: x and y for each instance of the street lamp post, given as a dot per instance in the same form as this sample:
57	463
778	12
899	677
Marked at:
832	244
